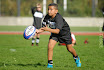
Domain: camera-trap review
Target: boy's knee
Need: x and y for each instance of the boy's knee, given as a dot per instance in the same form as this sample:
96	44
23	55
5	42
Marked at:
50	49
69	49
51	44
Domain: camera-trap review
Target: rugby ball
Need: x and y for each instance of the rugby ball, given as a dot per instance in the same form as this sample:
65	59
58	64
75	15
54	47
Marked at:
29	32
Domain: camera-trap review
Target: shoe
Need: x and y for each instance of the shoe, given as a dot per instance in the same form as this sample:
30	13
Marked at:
49	66
37	44
32	44
78	62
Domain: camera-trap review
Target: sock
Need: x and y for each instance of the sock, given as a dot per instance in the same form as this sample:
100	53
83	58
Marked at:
75	43
37	40
75	57
50	62
33	40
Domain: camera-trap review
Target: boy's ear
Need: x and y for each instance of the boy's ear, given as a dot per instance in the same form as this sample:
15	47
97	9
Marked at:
56	11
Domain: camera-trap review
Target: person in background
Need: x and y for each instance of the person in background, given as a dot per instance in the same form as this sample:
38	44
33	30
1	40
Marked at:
37	15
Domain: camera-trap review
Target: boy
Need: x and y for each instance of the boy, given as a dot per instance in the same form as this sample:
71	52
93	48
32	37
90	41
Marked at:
37	15
60	31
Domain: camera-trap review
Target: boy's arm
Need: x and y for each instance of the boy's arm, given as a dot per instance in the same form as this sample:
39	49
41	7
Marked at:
39	30
56	31
33	10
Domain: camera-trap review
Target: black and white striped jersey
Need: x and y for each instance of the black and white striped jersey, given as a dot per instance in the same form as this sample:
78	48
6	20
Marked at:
37	15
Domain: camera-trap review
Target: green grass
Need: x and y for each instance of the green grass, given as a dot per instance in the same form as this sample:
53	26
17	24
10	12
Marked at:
85	29
21	28
12	28
16	53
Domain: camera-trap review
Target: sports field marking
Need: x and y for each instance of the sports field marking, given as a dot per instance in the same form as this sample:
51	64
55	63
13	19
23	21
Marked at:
48	33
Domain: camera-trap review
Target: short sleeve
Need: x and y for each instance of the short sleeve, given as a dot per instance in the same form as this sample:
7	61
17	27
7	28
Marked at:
33	9
44	23
59	22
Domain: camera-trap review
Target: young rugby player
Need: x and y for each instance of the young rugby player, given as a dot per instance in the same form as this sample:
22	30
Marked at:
37	15
60	31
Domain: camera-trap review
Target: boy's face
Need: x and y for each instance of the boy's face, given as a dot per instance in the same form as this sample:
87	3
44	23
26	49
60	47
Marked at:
52	11
39	8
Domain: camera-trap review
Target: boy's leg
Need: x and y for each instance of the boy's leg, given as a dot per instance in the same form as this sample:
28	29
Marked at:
75	56
37	39
33	40
51	45
73	42
71	49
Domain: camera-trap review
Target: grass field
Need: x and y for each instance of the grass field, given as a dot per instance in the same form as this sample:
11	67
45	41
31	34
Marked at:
21	28
16	53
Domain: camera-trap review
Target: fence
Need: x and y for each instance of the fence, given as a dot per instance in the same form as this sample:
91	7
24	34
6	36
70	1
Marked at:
25	21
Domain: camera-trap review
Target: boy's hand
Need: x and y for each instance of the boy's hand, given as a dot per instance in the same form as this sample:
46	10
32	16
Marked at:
56	31
37	31
45	28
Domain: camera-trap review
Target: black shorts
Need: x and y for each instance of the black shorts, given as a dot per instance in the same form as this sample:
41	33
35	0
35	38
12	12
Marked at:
37	26
62	39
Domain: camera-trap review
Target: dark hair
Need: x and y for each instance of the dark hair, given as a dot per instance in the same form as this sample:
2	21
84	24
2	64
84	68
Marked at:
53	4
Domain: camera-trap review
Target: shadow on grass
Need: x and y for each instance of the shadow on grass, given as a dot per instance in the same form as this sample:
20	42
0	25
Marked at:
34	65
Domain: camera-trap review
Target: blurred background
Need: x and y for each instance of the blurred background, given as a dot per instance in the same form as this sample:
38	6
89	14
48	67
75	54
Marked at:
67	8
76	12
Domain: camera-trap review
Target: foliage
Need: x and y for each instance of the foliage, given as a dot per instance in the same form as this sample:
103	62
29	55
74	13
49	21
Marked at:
80	8
75	8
